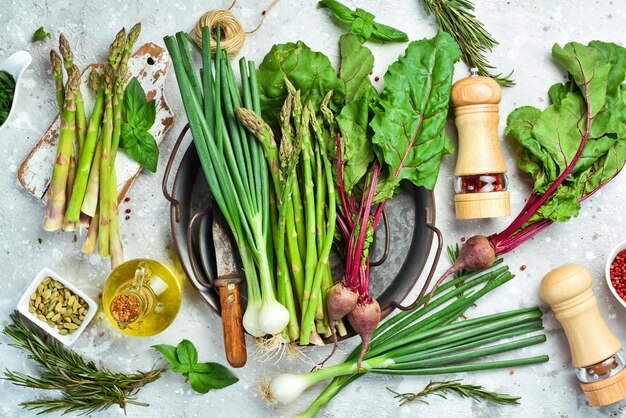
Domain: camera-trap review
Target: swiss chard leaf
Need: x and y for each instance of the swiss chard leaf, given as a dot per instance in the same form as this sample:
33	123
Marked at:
411	112
357	62
549	139
309	71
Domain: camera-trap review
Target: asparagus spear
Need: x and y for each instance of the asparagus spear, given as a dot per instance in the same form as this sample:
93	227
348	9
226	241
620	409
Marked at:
86	155
105	166
68	62
57	74
116	48
53	219
92	235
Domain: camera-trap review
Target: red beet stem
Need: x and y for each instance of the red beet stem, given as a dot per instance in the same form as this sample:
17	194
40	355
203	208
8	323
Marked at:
535	202
342	187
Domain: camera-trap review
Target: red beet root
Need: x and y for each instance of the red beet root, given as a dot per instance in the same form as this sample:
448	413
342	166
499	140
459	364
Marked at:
364	318
476	254
341	300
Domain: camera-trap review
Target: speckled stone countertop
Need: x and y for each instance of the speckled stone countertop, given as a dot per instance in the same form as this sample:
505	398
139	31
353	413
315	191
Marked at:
526	29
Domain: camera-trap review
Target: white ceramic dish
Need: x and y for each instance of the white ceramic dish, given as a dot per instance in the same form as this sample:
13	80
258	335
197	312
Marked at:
15	65
607	270
23	305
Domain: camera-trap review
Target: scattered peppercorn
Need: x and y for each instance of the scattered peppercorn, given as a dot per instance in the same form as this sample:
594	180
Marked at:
618	274
127	217
511	372
376	78
101	334
264	12
128	210
462	239
127	199
523	267
371	72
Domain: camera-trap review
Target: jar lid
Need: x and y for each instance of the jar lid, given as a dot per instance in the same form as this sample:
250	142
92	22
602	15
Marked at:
607	391
482	205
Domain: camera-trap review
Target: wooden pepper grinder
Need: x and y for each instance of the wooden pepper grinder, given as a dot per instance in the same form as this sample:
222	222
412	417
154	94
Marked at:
596	353
480	184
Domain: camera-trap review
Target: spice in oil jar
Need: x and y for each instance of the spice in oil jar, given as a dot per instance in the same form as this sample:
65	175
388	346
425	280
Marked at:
618	274
125	308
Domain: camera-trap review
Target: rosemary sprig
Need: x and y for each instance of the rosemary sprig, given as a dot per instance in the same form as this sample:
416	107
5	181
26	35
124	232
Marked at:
463	390
457	18
85	387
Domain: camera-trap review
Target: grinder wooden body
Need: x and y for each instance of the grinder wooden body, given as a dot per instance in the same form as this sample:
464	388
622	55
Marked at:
568	291
476	102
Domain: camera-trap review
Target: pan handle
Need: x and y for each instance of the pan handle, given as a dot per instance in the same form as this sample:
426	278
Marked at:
395	305
385	255
200	275
168	168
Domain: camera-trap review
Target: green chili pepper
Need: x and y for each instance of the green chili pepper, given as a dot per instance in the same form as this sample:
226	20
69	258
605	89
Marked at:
362	23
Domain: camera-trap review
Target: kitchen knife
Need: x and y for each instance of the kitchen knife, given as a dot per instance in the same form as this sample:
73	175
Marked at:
228	283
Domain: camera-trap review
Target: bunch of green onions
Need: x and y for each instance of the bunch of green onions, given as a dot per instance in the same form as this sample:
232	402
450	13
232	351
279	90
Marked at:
234	166
83	188
430	339
306	211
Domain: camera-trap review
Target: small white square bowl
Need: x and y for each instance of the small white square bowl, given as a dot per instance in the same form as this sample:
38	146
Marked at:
24	303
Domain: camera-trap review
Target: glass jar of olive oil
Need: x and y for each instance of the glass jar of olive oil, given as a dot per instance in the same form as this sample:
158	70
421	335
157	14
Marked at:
141	297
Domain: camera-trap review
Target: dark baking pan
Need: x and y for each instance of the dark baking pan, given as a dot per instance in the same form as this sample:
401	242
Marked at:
399	251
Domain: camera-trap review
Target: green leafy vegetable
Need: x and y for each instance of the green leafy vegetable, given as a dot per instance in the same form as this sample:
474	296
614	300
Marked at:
41	34
550	138
7	91
140	116
202	376
411	112
363	25
309	71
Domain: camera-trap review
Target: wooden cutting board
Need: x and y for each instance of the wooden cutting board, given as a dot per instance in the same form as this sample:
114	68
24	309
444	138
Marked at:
149	65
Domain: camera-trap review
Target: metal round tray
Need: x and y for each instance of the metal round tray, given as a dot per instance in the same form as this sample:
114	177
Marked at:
400	248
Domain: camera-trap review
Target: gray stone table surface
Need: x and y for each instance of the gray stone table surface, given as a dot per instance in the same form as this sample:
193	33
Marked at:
526	29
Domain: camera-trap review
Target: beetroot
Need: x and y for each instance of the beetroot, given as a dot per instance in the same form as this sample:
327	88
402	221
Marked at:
364	318
478	253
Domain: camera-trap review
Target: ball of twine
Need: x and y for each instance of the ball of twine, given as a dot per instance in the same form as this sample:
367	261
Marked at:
232	33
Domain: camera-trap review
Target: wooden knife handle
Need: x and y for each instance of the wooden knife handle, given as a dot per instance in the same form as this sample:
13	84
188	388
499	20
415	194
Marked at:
232	321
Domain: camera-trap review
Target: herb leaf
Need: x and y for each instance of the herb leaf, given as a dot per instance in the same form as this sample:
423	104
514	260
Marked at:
136	139
168	352
441	389
7	91
362	23
187	353
410	115
41	34
202	376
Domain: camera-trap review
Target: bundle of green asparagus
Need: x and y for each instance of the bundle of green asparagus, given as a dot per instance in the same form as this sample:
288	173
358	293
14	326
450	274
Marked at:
83	188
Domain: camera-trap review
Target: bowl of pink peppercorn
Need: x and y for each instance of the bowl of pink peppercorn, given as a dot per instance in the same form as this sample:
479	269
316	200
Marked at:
616	272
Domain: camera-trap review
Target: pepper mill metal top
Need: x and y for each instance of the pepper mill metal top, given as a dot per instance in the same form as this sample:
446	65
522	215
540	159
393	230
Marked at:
596	352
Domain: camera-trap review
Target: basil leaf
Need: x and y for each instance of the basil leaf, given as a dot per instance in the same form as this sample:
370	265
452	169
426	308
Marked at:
41	34
187	353
309	71
215	376
140	146
134	101
168	352
410	115
185	369
362	23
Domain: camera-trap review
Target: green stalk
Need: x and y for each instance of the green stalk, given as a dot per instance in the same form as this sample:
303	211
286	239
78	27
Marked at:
337	384
116	249
92	235
86	159
207	78
57	74
105	166
81	119
298	217
57	191
323	263
472	367
90	202
69	226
